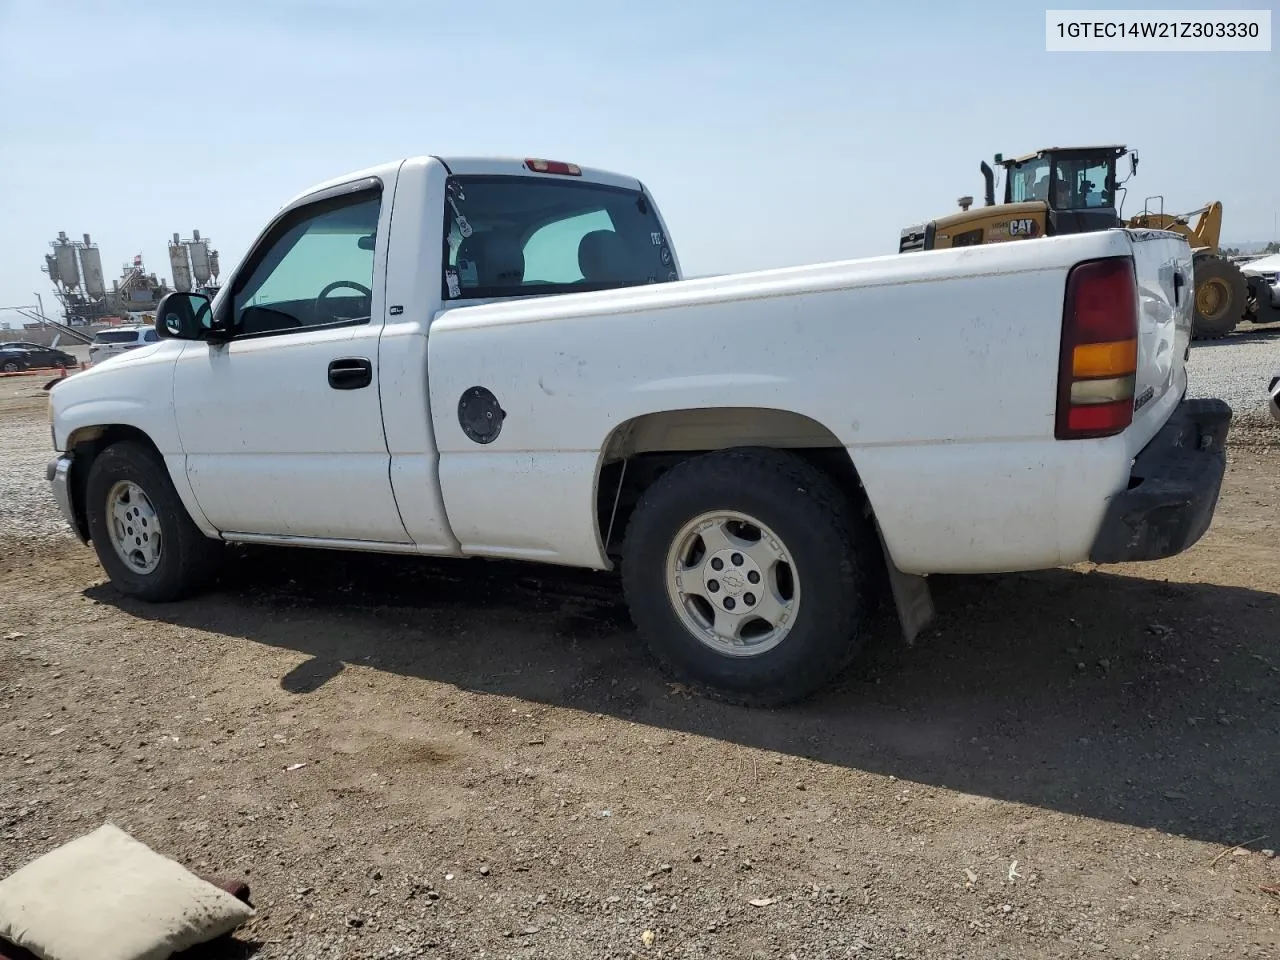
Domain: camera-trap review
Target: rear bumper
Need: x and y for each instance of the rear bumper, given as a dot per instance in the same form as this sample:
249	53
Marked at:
1173	488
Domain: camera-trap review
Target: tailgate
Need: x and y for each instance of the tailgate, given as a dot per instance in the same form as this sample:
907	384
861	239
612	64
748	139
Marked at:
1162	261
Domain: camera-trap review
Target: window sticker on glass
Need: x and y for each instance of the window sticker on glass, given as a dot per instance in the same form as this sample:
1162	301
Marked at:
454	193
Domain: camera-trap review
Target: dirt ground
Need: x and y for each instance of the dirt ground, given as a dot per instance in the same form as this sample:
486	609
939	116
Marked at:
474	759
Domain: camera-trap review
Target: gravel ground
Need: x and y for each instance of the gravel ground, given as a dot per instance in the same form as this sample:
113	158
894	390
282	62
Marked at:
1237	369
26	507
406	758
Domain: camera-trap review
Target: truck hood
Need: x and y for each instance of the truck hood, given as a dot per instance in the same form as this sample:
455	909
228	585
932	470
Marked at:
126	356
114	390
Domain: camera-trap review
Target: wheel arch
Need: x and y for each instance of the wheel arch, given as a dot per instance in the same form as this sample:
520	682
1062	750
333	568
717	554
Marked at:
640	449
87	442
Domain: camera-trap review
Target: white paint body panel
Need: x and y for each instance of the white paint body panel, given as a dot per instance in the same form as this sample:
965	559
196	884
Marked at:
936	371
1165	318
271	449
132	389
402	354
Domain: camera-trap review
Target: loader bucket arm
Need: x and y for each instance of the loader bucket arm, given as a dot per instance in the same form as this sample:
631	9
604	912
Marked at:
1204	236
1208	228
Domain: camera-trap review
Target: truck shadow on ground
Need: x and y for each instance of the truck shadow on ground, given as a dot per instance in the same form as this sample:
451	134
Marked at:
1131	700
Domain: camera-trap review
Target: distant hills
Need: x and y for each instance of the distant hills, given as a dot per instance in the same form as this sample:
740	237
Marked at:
1254	246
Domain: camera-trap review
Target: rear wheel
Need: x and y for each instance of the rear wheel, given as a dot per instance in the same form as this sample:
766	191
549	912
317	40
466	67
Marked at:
10	366
749	575
143	535
1220	298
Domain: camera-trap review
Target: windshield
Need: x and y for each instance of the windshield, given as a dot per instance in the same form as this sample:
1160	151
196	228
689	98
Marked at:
116	336
1079	183
525	236
1085	182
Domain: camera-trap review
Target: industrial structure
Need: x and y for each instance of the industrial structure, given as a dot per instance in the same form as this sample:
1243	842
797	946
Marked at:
192	260
75	270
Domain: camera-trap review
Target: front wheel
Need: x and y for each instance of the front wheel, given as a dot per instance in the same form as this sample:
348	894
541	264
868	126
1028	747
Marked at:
749	575
143	535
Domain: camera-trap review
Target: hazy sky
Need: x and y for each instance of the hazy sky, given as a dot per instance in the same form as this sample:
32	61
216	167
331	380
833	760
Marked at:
811	131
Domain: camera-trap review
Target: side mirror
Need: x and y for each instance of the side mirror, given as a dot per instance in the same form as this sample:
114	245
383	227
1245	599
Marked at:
184	316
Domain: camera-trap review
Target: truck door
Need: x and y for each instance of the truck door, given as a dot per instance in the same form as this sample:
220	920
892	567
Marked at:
282	425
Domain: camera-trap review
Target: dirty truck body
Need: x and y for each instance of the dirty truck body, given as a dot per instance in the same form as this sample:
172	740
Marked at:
475	357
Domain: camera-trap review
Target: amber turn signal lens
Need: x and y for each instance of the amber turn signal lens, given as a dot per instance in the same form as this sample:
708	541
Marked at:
1115	359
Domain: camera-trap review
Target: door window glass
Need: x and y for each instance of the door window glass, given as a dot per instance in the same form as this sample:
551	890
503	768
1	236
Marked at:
316	271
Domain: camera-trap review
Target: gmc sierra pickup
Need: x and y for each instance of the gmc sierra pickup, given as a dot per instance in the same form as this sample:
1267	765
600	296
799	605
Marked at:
477	357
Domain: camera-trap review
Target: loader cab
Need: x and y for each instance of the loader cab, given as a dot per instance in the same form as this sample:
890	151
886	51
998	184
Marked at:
1078	184
1047	193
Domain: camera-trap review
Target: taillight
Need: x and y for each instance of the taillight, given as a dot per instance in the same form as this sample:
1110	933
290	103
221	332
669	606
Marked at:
1099	361
554	166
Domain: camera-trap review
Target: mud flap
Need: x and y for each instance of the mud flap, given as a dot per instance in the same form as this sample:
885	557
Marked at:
911	596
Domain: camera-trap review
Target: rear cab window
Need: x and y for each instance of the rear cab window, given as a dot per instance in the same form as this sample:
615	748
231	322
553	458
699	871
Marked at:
518	236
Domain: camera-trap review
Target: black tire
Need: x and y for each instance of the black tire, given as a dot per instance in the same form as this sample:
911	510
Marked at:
1261	309
834	550
1228	304
10	366
187	557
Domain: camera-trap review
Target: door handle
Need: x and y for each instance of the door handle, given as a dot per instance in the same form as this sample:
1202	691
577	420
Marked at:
350	373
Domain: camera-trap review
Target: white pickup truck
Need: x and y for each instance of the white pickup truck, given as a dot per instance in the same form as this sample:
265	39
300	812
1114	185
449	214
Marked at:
463	357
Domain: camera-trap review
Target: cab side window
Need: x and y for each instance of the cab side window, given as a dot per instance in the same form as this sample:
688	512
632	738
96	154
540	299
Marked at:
314	270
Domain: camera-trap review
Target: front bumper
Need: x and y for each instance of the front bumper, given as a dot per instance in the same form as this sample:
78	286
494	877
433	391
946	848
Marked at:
1273	402
1173	488
58	473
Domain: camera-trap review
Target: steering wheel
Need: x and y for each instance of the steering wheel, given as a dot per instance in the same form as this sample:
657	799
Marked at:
342	283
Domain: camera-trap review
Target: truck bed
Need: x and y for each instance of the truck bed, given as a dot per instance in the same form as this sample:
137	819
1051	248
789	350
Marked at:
943	394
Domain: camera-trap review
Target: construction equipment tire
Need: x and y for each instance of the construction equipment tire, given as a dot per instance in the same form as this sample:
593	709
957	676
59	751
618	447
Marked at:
1221	296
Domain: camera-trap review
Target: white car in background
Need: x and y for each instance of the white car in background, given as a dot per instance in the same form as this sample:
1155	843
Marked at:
116	340
1263	277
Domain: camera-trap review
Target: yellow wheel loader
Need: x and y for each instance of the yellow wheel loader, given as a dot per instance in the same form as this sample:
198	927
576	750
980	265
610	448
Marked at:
1062	190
